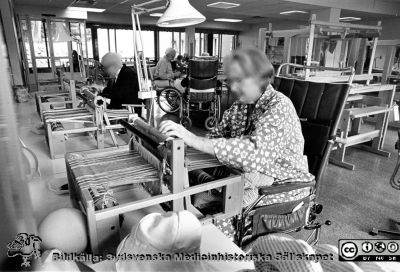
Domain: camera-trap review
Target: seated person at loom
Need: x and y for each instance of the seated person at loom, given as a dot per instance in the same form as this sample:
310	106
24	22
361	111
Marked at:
180	64
164	73
260	134
123	87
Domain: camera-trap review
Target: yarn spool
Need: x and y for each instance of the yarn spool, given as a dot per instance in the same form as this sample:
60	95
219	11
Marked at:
102	198
64	229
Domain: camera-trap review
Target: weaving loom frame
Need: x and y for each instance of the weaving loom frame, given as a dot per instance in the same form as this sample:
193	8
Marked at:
96	115
103	225
68	92
311	32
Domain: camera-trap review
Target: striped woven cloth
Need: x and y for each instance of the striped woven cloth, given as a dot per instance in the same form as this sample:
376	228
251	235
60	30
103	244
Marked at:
111	168
118	114
67	114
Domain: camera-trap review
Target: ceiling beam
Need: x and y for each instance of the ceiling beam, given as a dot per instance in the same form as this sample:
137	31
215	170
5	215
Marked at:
371	6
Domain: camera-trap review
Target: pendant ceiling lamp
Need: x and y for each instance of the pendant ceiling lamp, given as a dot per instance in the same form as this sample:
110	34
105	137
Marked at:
180	13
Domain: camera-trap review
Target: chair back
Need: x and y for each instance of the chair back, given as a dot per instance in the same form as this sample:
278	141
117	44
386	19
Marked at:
319	107
202	79
203	84
203	68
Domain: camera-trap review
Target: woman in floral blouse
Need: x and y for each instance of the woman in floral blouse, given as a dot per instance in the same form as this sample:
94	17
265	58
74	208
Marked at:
260	134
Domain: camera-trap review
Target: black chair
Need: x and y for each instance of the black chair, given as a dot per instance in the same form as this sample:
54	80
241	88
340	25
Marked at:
319	106
202	91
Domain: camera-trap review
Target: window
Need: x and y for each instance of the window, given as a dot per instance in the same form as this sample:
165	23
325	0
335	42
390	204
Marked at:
84	39
60	37
148	42
121	41
102	38
200	43
216	44
40	44
165	41
182	43
25	36
111	33
227	44
223	44
89	42
178	42
175	41
197	45
125	43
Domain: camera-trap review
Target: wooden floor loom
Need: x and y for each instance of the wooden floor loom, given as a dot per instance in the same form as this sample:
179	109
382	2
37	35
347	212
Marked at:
102	183
92	117
65	98
363	104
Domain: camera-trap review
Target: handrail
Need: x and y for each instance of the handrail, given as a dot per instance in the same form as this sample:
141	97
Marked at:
321	68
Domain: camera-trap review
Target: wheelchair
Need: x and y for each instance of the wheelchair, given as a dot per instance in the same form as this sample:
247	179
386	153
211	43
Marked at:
290	207
319	107
202	93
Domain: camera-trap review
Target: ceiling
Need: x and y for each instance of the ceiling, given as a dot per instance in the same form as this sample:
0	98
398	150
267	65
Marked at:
250	11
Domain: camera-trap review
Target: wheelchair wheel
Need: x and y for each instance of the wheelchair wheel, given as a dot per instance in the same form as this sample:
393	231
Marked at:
169	100
211	122
186	122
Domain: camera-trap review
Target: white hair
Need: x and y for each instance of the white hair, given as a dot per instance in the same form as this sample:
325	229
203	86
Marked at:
111	58
170	51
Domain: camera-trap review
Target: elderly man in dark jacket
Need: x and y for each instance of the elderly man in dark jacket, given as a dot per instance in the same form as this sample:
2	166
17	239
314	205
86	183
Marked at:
123	87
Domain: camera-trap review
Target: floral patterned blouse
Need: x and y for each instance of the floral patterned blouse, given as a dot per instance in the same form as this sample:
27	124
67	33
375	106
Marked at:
268	141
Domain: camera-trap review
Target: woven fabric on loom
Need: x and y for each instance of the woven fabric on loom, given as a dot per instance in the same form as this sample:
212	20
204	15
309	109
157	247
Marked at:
118	114
111	168
198	160
69	113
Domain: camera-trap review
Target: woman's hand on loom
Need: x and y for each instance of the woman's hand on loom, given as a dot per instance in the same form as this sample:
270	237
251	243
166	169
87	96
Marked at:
172	129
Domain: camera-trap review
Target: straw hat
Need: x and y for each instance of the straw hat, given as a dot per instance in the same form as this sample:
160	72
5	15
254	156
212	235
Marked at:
159	236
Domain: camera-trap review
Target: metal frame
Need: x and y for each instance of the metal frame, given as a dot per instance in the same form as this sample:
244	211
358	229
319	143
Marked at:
146	91
347	78
310	33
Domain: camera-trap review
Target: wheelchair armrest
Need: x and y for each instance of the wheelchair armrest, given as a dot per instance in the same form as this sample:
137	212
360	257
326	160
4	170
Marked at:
284	187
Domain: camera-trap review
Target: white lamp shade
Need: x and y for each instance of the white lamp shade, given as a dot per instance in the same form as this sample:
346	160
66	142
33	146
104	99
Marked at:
180	13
